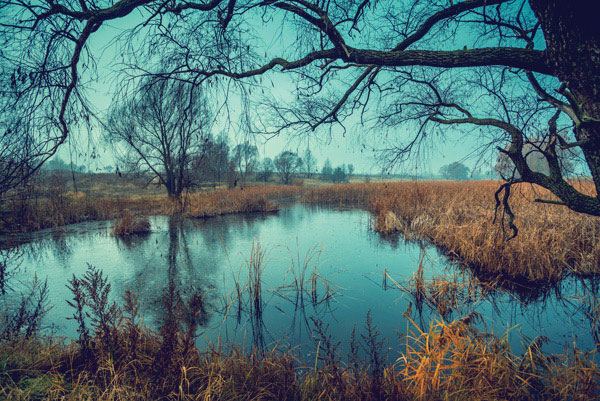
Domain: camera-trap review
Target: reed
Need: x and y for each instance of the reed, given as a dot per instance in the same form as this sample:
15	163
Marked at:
255	270
39	213
246	200
128	225
446	361
458	217
306	282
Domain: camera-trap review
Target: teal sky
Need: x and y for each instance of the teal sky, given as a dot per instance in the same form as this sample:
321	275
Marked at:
354	147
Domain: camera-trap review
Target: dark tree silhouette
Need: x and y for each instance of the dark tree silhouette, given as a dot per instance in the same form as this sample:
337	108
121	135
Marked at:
245	156
327	171
339	175
266	169
161	129
212	162
310	163
530	63
455	171
286	164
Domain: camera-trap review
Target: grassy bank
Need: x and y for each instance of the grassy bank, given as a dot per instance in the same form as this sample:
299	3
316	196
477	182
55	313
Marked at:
447	361
459	218
55	210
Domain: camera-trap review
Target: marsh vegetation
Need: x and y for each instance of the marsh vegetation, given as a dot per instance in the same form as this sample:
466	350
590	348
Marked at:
250	199
253	305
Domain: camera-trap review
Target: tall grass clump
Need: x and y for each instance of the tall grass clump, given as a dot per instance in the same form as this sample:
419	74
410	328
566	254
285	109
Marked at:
458	217
129	224
239	200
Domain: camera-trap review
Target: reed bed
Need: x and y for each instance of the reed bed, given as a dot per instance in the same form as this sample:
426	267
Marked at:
46	212
129	225
58	209
242	200
448	361
458	217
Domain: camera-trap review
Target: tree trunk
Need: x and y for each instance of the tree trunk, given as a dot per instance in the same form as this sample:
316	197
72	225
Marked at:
172	191
573	46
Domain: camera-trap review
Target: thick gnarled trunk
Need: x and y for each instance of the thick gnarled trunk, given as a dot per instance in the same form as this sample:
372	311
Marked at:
572	37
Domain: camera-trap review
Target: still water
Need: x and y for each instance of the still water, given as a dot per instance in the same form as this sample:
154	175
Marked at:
320	265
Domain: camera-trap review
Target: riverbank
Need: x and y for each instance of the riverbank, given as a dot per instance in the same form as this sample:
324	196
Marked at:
69	208
458	217
447	361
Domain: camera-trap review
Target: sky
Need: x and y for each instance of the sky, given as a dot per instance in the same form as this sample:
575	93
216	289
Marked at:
351	148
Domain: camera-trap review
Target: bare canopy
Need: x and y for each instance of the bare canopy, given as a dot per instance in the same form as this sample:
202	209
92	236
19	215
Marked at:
161	129
511	69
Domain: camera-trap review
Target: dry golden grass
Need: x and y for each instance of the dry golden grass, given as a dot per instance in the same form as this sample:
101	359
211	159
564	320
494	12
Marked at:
129	224
458	217
447	361
246	200
455	359
45	212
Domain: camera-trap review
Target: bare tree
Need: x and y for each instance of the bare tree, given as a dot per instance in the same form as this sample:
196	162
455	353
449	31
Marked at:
350	170
416	63
17	159
266	169
286	164
310	163
161	129
245	156
46	52
212	162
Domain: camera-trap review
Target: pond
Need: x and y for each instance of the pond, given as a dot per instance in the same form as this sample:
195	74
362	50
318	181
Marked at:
319	266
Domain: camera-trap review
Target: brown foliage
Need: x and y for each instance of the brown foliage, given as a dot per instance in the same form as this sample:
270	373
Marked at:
128	224
459	218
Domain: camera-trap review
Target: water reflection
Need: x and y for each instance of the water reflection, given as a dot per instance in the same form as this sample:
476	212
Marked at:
319	265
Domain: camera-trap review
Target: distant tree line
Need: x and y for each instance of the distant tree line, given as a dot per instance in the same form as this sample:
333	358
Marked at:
340	174
59	164
163	130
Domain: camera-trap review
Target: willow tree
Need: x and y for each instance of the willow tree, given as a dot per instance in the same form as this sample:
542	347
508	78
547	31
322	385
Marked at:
46	60
161	129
